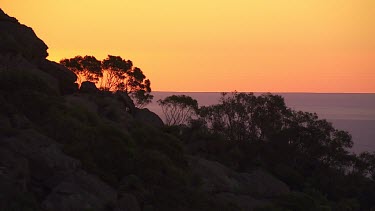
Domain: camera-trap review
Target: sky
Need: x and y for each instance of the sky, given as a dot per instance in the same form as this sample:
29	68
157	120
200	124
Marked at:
206	45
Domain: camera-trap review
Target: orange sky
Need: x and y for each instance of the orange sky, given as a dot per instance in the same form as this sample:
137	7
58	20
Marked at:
201	45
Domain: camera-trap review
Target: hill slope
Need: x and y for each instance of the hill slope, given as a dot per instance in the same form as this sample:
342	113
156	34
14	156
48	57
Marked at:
62	148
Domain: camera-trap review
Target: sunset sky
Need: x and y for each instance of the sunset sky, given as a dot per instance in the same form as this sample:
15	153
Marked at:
201	45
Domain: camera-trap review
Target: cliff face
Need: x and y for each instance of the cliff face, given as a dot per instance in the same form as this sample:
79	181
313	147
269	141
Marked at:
34	172
66	150
21	49
20	39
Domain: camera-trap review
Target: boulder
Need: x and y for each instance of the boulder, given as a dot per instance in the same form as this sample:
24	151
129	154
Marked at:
127	202
148	117
14	178
245	190
126	100
21	49
31	162
22	71
215	177
260	183
219	178
243	202
80	191
88	87
5	17
48	165
65	78
14	171
20	39
79	100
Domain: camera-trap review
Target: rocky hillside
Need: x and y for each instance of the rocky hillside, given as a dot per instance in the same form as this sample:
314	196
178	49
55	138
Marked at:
67	149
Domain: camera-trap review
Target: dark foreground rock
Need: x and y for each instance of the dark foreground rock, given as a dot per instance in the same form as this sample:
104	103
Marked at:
65	78
247	191
21	49
20	39
80	191
32	164
88	87
148	117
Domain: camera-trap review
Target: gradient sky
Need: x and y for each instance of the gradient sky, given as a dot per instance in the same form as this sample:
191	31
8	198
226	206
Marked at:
201	45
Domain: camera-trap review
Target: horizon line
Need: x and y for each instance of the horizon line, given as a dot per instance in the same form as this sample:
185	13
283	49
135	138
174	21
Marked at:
281	92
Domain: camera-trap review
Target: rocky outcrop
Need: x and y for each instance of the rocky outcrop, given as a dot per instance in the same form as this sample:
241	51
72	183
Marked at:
20	48
20	39
5	17
31	162
127	202
97	129
126	100
16	65
14	178
65	78
88	87
80	191
143	115
246	190
148	117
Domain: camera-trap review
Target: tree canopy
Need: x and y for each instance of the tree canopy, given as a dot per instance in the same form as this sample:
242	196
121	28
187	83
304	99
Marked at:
87	67
112	74
246	117
247	131
178	109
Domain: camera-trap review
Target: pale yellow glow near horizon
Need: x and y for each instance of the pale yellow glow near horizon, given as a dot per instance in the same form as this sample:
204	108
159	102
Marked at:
244	45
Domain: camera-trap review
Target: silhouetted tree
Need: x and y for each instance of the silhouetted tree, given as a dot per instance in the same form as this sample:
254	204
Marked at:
299	140
365	164
112	74
119	74
87	67
243	116
245	131
178	109
115	71
92	68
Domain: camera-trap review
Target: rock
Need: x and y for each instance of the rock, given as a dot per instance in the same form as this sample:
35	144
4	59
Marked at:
104	104
88	87
126	100
31	162
261	184
219	178
244	202
5	17
80	191
21	70
215	176
14	178
20	39
79	100
148	117
244	190
48	165
21	49
37	147
130	183
14	171
127	202
65	78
